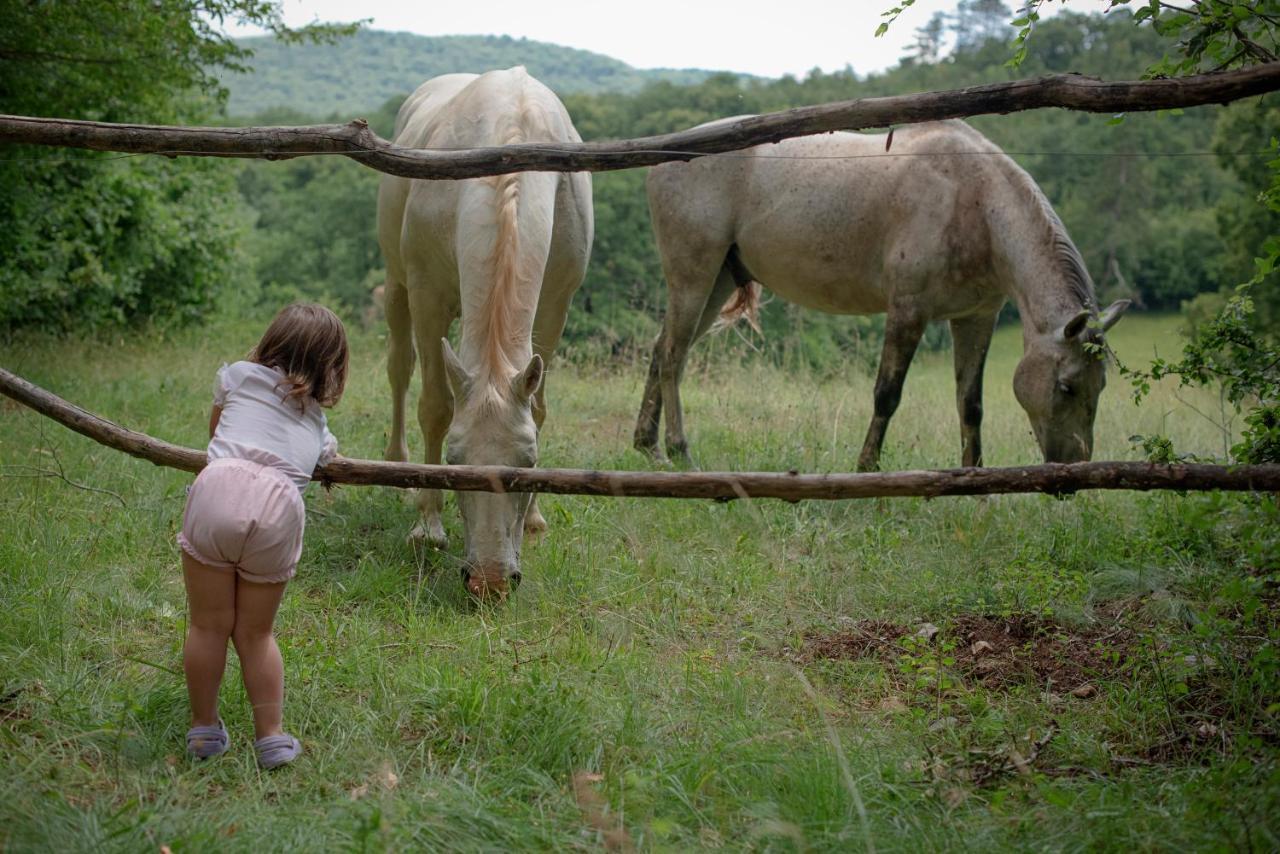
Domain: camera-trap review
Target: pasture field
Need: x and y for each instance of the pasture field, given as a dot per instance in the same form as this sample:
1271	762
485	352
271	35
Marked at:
671	675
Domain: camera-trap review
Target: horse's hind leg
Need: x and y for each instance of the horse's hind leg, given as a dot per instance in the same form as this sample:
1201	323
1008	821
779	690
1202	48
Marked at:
902	331
645	439
971	338
399	365
646	435
689	316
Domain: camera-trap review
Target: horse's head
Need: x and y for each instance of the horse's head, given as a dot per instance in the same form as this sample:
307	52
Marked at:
1058	383
492	427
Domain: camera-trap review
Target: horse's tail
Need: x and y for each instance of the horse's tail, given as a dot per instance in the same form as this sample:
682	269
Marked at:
745	304
520	247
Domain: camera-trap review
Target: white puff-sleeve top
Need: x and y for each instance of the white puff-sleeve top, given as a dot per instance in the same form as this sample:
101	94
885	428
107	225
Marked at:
258	424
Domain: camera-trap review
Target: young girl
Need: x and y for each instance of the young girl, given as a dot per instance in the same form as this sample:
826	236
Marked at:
242	530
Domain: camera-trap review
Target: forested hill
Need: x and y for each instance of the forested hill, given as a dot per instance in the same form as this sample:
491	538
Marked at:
360	73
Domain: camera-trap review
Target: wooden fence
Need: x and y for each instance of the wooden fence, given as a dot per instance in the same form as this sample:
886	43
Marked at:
357	141
721	486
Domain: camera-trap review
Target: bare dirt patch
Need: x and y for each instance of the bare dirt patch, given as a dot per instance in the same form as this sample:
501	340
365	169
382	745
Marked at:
996	652
866	639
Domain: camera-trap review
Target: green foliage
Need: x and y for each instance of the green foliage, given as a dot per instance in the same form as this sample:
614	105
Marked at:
302	243
1233	351
349	77
89	242
90	239
1210	36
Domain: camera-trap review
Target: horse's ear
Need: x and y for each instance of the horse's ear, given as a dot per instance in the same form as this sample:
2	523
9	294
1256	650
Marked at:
459	379
1113	313
1073	327
527	382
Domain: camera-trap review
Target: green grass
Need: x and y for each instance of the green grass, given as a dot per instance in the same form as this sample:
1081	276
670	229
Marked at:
652	642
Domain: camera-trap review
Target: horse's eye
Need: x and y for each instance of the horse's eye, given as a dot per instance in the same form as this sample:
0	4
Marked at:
1063	388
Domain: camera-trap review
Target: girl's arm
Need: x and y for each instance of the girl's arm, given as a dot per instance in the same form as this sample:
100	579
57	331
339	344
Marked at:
328	444
214	415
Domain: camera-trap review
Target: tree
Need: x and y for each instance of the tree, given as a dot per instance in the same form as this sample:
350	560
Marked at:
90	239
977	22
928	45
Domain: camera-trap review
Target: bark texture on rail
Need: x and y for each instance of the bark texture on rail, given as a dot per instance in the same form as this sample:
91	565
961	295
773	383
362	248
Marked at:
723	486
357	141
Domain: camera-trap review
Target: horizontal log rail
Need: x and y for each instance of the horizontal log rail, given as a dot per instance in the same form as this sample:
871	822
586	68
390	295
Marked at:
721	486
357	141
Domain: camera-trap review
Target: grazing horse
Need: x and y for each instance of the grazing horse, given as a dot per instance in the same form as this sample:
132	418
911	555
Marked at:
945	227
504	253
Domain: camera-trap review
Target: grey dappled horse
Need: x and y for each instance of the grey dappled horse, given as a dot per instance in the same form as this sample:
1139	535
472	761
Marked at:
943	227
505	253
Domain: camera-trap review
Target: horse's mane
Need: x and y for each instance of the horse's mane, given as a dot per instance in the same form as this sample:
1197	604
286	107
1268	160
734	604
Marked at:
1066	255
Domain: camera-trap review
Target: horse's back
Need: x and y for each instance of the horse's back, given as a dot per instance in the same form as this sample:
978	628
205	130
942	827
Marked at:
828	221
430	225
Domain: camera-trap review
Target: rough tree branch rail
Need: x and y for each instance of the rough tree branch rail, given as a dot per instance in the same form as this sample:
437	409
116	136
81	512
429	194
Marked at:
721	486
357	141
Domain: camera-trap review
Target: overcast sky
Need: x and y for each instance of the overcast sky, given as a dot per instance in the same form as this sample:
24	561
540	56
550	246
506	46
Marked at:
769	39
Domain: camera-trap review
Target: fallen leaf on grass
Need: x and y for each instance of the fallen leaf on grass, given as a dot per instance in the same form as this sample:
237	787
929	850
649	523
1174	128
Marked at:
927	631
892	704
388	777
943	723
593	808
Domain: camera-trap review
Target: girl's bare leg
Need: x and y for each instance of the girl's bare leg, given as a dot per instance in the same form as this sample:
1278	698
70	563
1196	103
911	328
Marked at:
211	607
260	663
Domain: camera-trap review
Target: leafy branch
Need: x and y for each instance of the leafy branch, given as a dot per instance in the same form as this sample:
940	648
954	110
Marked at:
1233	352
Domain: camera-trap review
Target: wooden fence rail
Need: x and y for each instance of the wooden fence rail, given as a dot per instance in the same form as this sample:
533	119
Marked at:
722	486
357	141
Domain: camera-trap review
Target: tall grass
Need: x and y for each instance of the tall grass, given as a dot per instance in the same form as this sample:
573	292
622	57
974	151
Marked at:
651	646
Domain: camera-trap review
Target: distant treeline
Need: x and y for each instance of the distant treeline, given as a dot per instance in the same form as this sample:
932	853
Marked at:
357	73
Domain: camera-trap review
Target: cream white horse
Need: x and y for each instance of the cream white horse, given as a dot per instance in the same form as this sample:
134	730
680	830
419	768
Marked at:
505	254
944	226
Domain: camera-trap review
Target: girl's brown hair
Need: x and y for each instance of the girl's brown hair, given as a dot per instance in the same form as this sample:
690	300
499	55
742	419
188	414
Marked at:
308	344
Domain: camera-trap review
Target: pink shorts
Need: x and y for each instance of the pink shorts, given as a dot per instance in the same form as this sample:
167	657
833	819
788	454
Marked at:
244	516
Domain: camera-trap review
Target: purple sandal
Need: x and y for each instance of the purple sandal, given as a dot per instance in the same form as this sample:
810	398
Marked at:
204	742
276	750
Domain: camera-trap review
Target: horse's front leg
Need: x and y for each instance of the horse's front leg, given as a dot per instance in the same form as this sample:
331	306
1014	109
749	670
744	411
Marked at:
971	338
548	327
399	365
902	330
435	411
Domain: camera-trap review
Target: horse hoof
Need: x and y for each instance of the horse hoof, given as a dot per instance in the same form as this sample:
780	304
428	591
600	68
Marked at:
535	527
650	450
682	462
658	460
430	535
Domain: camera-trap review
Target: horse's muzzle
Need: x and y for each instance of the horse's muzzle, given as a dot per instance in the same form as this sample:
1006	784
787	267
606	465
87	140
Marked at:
490	584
